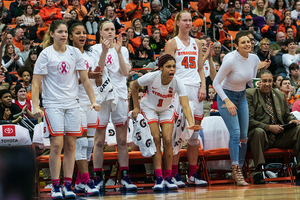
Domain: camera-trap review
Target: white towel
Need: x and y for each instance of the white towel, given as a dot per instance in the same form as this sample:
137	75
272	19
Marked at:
106	92
141	135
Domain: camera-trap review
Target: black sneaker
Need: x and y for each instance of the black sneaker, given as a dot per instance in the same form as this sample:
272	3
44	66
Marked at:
258	178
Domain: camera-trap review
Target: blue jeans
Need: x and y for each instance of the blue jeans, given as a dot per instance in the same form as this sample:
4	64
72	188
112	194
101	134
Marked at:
237	125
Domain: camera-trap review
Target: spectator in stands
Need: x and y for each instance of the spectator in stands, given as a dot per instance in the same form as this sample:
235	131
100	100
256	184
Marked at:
276	81
287	21
296	13
217	14
13	6
67	17
209	105
26	46
62	4
265	53
50	12
120	12
205	6
110	14
170	22
33	30
290	57
139	30
280	37
146	17
80	9
134	9
30	61
91	22
93	3
6	16
289	91
125	43
289	32
248	25
217	52
254	46
261	7
20	9
19	20
289	13
9	39
156	43
74	14
22	102
28	16
247	11
7	108
294	73
11	61
238	7
269	11
164	13
280	8
269	30
155	23
265	130
144	52
133	40
17	39
278	57
11	88
195	31
232	20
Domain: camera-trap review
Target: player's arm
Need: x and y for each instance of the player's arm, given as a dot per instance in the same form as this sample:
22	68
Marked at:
135	99
89	89
171	47
124	67
202	91
184	101
35	86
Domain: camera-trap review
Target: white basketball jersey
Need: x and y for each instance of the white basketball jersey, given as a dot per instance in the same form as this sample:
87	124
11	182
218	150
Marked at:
159	97
187	62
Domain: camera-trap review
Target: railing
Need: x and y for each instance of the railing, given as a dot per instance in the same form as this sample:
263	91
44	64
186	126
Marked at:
214	37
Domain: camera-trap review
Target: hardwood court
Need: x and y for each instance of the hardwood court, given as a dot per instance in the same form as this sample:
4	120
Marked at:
219	192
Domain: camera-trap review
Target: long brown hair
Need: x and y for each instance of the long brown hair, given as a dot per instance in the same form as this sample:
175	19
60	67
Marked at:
6	48
177	18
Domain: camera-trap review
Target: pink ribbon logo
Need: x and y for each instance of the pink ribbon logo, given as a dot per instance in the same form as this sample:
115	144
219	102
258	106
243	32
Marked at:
86	64
109	59
64	66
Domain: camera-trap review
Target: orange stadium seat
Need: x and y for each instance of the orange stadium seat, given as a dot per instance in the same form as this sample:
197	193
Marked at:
207	16
233	34
91	39
7	4
126	24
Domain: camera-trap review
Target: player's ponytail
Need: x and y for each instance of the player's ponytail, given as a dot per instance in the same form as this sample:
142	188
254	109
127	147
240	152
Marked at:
48	40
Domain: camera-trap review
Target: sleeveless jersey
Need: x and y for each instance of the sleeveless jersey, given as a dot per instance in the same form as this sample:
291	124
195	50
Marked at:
159	97
187	62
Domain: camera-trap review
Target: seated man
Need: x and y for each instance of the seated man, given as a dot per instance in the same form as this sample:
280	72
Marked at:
7	108
265	130
232	20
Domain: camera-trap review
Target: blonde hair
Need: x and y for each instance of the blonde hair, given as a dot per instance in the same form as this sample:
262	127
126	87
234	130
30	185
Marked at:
177	18
255	11
133	23
105	11
101	27
264	40
48	40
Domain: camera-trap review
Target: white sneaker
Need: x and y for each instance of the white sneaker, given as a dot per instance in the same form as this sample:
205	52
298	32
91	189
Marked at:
176	179
68	192
169	184
90	189
194	180
127	184
49	186
98	182
56	192
79	188
159	184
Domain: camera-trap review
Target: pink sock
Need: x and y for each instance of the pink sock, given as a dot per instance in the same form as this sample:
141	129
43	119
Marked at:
167	173
174	169
124	168
67	180
158	172
85	177
78	180
54	181
192	170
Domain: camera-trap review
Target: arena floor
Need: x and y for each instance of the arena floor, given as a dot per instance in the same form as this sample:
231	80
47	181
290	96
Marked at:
268	191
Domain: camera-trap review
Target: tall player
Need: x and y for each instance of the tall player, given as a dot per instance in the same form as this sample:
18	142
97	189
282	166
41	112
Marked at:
56	69
189	68
115	59
157	109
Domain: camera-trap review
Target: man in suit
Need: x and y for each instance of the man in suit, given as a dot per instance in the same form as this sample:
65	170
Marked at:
268	111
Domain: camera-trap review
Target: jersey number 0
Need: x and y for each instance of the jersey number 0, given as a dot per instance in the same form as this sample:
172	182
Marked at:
188	62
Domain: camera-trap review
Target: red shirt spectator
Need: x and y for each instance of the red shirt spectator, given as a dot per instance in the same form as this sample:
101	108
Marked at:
156	23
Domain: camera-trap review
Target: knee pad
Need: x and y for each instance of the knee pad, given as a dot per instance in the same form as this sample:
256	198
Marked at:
193	141
81	148
90	148
91	132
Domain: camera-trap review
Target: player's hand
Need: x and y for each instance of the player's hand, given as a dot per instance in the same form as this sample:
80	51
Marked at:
194	127
96	107
118	43
93	74
201	94
38	113
135	113
105	45
231	108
